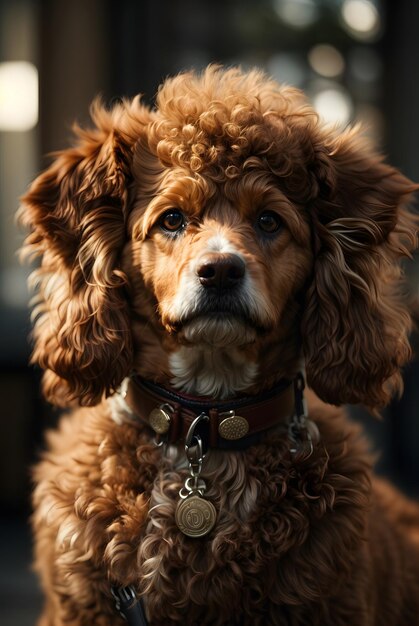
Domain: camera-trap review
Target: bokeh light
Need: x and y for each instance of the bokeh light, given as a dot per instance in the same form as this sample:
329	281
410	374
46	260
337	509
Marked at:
326	60
361	18
18	96
334	106
297	13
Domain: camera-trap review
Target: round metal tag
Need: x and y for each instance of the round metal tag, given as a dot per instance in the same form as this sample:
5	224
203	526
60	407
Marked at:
195	516
159	421
234	427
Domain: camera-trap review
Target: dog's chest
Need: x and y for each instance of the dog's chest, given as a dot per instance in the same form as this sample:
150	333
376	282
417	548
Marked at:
208	372
238	563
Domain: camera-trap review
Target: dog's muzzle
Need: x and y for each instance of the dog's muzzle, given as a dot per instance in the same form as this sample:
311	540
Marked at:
222	315
220	307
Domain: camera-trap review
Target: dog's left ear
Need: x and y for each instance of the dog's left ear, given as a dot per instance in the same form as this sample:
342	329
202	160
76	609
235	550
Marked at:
76	215
355	327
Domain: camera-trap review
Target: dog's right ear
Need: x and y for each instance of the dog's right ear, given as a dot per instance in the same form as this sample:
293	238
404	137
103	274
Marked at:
75	212
356	323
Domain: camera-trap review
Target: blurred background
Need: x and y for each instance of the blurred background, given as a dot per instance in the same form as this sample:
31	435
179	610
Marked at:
356	59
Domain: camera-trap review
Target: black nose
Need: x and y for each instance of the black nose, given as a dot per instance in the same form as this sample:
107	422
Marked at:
221	271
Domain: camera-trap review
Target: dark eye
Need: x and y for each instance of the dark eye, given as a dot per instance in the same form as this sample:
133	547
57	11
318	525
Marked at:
269	222
172	221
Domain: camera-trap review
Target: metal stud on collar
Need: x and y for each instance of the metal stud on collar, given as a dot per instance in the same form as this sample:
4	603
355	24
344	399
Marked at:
160	419
233	426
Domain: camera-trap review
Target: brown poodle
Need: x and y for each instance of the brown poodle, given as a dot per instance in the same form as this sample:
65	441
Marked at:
195	259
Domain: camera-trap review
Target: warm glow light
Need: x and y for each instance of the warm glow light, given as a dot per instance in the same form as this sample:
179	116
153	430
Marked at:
361	18
334	106
326	60
18	95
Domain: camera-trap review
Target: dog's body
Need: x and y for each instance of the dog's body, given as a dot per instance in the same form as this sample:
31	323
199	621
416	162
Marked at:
207	247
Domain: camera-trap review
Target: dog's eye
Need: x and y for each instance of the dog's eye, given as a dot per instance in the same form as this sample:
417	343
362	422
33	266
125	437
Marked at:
269	222
172	221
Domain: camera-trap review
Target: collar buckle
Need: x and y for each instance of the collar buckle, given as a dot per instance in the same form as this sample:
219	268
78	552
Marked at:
302	431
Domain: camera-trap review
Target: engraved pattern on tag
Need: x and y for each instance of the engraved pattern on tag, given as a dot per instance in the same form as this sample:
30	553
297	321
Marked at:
159	421
234	427
195	516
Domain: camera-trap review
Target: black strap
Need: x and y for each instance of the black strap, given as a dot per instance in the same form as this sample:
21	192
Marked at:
198	406
129	606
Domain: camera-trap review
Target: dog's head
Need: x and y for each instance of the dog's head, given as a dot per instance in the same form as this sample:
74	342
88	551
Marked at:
228	219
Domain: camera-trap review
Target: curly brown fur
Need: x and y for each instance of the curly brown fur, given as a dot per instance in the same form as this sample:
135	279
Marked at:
300	539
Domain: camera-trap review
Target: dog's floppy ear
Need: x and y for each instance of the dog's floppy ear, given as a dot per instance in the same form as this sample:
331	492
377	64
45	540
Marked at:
355	327
75	212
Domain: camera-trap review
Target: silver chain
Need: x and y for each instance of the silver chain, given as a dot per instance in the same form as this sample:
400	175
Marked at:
195	455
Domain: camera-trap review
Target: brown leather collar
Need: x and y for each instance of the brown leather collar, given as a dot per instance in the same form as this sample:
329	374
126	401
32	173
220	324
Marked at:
234	424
